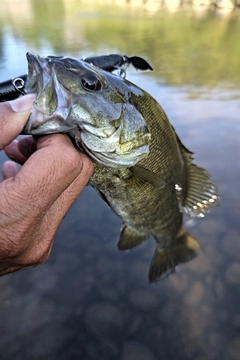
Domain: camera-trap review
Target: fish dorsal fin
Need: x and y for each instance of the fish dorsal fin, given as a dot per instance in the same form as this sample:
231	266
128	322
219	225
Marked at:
130	237
147	175
201	192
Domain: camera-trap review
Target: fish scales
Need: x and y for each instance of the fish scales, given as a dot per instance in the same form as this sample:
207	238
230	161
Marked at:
141	168
155	209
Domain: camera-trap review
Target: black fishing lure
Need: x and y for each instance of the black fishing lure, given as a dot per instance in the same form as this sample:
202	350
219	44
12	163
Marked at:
13	88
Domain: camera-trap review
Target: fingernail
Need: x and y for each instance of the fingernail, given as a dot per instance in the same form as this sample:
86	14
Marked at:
9	169
23	103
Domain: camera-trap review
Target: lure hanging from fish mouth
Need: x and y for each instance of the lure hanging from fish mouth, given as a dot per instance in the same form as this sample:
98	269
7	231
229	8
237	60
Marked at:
117	62
13	88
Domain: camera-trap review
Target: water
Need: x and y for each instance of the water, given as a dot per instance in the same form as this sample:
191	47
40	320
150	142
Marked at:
90	301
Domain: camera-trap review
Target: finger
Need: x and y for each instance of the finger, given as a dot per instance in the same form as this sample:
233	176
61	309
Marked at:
39	196
12	151
9	169
60	207
14	115
56	213
45	175
27	146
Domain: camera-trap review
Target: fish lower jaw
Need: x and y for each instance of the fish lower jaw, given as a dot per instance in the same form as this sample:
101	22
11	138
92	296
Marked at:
40	123
110	159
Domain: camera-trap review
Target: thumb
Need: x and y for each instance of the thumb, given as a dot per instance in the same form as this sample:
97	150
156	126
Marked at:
13	116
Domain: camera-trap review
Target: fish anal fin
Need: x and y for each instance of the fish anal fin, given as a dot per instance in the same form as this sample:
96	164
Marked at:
165	260
130	238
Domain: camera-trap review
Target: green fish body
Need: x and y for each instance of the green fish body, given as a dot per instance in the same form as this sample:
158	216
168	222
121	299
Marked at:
142	170
148	208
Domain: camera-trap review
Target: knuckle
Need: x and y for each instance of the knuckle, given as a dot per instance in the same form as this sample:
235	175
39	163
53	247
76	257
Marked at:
24	256
88	165
40	250
10	246
72	161
40	257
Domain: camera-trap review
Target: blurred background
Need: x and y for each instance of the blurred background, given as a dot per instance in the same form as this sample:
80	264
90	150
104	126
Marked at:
90	301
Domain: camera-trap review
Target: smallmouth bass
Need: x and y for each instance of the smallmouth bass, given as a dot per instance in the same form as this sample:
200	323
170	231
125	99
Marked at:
141	168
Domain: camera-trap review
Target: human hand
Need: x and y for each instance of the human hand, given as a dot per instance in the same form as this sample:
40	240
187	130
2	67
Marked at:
34	200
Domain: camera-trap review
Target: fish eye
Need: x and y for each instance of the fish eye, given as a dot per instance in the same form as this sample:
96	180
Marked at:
69	66
91	83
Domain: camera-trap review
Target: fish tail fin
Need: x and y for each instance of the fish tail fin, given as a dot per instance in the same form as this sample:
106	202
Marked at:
166	259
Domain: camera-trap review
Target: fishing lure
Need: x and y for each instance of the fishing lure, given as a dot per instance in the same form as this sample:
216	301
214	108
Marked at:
13	88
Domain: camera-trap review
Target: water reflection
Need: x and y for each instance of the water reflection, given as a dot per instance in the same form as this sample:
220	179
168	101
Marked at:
186	49
55	311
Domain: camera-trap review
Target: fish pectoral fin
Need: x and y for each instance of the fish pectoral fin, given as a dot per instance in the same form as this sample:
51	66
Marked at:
201	191
148	175
130	237
166	259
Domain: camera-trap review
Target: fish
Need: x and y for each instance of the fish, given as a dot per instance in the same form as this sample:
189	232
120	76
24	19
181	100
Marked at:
142	170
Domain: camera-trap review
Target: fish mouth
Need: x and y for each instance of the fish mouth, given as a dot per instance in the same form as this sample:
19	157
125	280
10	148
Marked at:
36	62
51	106
39	70
38	73
118	142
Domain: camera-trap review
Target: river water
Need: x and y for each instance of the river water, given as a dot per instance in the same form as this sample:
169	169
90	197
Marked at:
90	301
